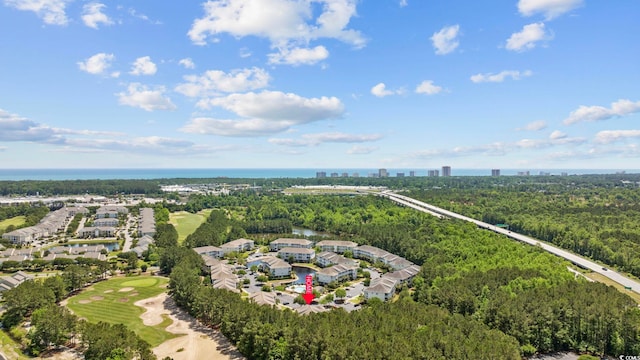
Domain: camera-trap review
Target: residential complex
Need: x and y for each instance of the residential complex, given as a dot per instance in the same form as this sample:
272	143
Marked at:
53	223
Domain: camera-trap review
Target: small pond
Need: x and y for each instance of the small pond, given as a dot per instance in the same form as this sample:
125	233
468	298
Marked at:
111	246
301	273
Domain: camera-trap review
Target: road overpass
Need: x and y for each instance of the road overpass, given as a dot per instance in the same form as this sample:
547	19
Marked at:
576	259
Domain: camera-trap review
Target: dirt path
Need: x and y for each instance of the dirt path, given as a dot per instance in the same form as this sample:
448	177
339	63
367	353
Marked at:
198	342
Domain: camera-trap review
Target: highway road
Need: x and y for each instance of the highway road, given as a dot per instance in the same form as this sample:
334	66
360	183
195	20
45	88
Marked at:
576	259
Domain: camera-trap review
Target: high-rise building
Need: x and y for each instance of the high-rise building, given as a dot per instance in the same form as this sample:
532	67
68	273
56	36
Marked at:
334	174
344	174
495	172
383	173
356	174
321	174
400	174
412	173
434	173
446	171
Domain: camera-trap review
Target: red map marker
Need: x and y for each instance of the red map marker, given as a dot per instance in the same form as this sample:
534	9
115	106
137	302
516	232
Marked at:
308	294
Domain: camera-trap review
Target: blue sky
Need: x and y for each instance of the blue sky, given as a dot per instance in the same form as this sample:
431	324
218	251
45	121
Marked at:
323	84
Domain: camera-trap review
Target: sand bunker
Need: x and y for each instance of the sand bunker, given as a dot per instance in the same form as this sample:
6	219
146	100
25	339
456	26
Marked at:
123	300
126	289
84	301
97	298
134	294
198	342
108	291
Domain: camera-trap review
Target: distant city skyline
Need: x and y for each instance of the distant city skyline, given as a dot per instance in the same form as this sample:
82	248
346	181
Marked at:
326	84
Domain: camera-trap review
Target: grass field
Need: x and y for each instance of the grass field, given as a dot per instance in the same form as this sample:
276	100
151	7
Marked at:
605	280
113	301
186	223
10	347
15	221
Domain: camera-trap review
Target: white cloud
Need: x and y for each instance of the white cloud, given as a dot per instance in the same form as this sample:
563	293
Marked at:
214	82
381	90
427	87
444	41
557	134
264	113
299	56
502	148
320	138
97	64
619	108
141	96
534	126
143	66
14	128
281	21
92	15
144	17
549	8
187	63
609	136
279	106
17	128
527	38
403	3
501	76
361	150
52	12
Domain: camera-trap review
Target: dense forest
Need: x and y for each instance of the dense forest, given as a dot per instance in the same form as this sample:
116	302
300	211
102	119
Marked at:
597	222
478	277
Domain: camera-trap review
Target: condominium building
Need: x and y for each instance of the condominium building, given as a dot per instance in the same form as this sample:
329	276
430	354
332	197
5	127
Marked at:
446	171
281	243
297	254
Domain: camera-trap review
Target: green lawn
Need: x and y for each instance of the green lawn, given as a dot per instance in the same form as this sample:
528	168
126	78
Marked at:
15	221
105	301
186	223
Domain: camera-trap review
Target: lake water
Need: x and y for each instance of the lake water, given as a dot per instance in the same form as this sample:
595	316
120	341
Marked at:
111	246
308	232
301	273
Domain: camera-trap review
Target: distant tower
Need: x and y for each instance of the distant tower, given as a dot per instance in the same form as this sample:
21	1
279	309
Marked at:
495	172
383	173
400	174
334	174
412	173
446	171
434	173
321	174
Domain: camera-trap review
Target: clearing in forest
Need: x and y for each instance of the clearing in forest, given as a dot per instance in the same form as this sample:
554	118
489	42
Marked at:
15	221
186	223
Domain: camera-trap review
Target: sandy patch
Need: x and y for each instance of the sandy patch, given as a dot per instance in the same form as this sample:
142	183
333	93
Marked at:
123	300
126	289
198	342
84	301
134	294
97	298
108	291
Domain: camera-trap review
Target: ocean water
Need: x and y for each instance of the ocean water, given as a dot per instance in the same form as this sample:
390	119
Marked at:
110	174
